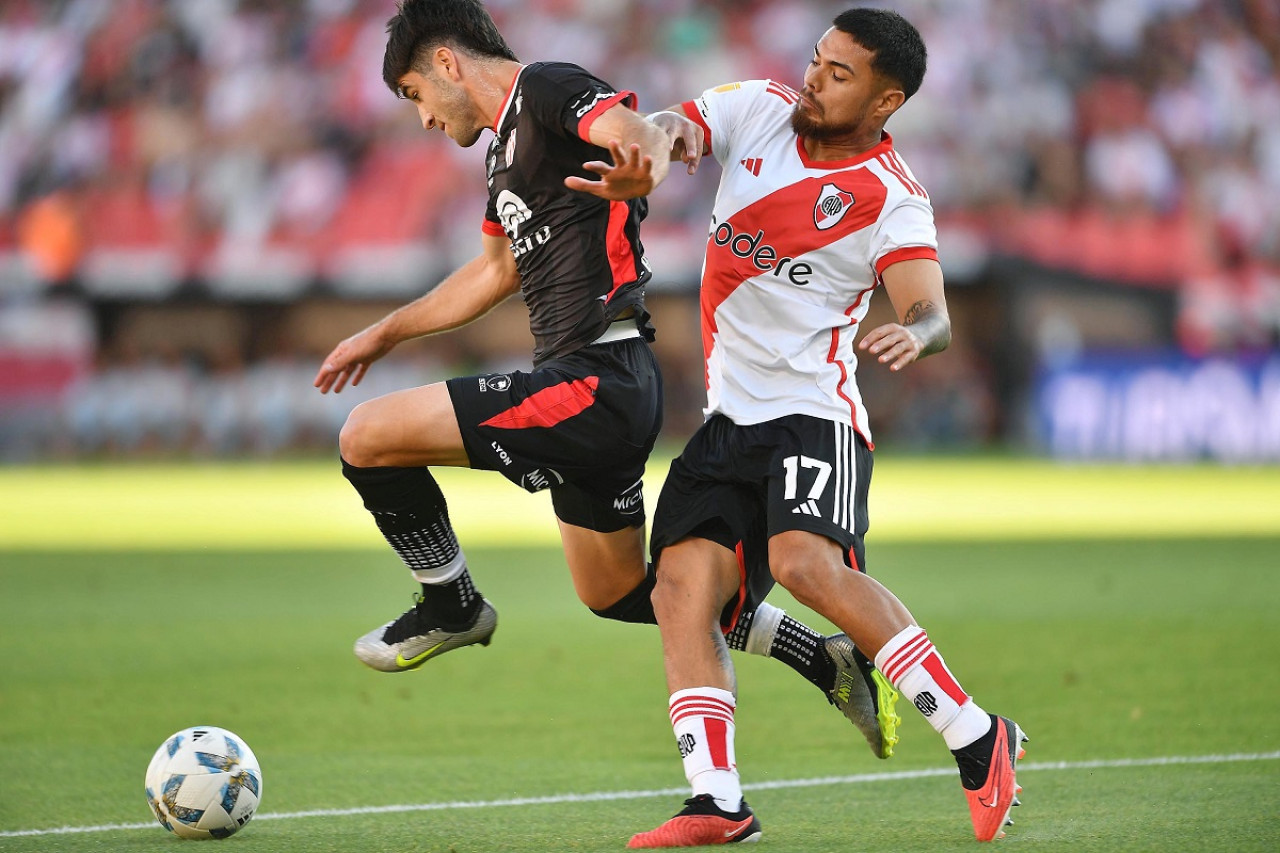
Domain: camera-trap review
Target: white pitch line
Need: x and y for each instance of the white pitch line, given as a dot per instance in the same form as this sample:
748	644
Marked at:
605	796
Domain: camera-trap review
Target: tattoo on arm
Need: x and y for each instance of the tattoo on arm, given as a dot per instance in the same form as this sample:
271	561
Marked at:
931	324
916	311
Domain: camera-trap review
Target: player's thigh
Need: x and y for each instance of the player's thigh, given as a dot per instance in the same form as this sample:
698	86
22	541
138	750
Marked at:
413	427
696	578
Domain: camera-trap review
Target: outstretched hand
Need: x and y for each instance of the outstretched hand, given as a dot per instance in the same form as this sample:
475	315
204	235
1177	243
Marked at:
629	176
350	360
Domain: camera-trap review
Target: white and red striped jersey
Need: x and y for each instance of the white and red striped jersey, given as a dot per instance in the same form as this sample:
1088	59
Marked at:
795	250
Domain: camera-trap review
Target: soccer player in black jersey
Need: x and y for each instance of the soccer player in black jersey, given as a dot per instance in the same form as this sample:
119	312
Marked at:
583	421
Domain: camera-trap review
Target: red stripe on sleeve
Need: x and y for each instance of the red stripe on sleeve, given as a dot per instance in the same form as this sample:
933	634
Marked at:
906	253
695	115
493	229
584	123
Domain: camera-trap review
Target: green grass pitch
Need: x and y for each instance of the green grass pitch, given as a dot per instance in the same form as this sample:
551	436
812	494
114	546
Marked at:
1126	617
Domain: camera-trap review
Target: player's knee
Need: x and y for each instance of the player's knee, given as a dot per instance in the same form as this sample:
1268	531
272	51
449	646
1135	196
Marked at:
635	606
803	577
356	441
669	590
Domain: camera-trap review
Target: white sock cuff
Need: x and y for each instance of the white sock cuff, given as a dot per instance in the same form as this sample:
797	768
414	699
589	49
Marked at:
696	693
442	574
764	628
909	641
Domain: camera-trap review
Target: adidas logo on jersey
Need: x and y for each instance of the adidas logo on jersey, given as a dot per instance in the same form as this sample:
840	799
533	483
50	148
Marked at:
752	165
809	507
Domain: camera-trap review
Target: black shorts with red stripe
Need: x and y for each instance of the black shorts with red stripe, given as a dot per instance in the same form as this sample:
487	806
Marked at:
739	485
581	425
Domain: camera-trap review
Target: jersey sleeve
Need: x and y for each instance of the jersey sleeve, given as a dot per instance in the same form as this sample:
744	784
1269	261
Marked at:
568	100
492	224
721	111
906	232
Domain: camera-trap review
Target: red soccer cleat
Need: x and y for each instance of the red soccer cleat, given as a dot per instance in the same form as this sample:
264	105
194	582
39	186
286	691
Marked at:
987	772
702	822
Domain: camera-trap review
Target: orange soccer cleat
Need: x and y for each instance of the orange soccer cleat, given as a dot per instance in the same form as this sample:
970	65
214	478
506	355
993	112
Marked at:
702	822
988	775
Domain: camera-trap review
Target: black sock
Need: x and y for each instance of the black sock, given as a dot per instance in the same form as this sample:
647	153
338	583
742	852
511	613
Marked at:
452	605
737	638
802	648
635	606
412	515
974	760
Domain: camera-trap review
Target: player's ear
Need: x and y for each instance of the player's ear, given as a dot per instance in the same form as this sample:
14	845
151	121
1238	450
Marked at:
890	100
445	61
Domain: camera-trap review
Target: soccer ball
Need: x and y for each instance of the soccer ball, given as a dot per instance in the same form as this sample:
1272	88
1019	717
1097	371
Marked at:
204	782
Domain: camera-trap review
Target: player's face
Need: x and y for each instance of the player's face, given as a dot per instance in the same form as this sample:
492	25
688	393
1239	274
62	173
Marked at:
841	95
443	104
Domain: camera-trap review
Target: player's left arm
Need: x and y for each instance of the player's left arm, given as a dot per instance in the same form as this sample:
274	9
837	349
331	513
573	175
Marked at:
640	151
924	327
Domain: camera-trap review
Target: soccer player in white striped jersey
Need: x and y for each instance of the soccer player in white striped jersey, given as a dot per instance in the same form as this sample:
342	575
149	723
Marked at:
815	211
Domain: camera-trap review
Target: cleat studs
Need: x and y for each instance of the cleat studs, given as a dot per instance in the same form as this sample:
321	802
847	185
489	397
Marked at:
1016	801
1008	821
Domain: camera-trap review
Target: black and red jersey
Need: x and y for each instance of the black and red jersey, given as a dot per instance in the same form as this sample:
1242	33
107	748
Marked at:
580	258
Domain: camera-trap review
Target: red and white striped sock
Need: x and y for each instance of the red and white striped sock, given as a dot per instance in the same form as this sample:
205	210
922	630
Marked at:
702	718
913	665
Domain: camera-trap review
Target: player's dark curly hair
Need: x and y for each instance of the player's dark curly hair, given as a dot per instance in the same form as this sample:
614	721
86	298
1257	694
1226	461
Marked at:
899	50
420	26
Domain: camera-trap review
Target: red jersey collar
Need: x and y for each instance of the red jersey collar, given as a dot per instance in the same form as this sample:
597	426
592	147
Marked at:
884	145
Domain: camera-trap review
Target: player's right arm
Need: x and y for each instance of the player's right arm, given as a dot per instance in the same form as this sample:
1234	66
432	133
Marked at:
707	124
470	292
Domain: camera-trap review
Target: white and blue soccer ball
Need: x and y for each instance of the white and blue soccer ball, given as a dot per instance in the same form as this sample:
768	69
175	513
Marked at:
204	782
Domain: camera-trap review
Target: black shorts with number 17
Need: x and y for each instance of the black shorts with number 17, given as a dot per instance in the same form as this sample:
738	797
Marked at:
740	485
582	425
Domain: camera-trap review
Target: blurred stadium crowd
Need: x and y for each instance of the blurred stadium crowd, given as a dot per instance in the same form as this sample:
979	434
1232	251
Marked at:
247	151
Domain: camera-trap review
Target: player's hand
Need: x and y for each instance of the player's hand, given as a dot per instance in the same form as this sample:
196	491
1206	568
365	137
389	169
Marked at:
686	137
892	344
629	176
350	360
